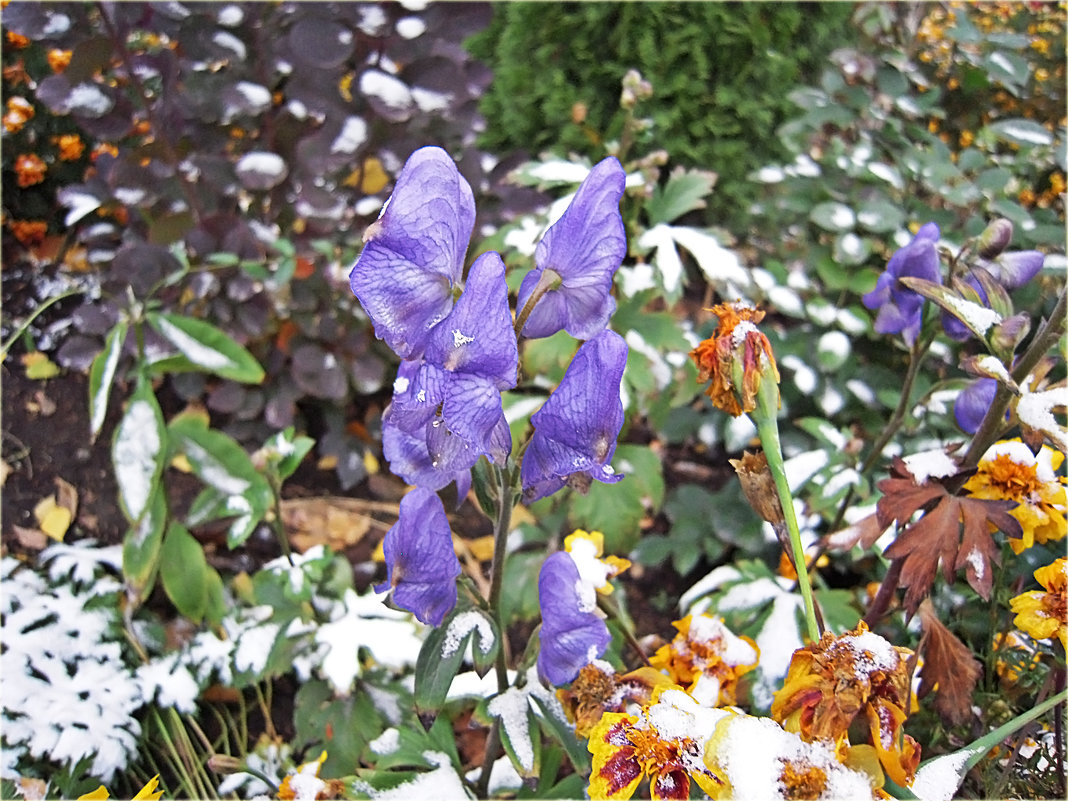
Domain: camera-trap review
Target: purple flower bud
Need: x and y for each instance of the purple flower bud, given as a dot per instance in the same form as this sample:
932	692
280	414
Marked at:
414	252
575	431
583	250
973	403
901	309
419	557
995	238
572	634
1013	270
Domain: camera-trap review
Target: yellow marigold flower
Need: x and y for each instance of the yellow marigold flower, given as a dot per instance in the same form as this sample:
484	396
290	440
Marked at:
17	40
58	59
1009	471
754	757
29	232
1014	652
146	793
664	742
707	659
586	548
831	682
30	169
70	147
966	138
1043	614
735	358
305	782
599	689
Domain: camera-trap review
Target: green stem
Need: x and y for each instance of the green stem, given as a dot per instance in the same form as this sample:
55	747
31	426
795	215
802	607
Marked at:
764	416
11	340
994	420
980	747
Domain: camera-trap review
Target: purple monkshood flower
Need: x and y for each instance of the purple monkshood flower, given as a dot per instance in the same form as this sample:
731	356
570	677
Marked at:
973	403
1011	270
448	404
414	252
419	557
575	430
583	250
572	634
901	309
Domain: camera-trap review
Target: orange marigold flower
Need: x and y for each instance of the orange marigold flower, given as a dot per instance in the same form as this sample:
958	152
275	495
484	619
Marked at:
29	232
1009	471
70	147
19	112
735	358
599	689
831	682
1045	614
58	59
707	659
30	169
17	40
104	148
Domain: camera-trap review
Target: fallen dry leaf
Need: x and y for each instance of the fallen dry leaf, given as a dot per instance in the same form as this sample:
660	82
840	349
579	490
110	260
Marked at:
45	405
334	521
949	668
52	519
32	539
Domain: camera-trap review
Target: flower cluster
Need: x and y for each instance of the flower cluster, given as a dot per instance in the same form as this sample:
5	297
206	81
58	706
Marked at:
459	345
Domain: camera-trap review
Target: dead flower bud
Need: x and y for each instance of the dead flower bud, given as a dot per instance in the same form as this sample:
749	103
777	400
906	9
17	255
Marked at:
735	359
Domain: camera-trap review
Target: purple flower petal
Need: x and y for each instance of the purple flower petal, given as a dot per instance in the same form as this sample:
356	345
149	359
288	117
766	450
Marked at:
572	635
415	251
584	248
1013	270
419	557
575	431
901	309
409	458
477	336
973	403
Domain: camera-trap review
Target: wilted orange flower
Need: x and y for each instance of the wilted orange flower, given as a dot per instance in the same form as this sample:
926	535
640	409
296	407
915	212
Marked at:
103	148
58	59
1009	471
29	232
599	689
30	169
70	147
17	40
707	659
19	112
1045	614
735	358
830	682
15	73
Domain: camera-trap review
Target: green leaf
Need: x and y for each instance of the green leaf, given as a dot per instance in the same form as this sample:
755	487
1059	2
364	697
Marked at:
184	572
833	216
102	375
1022	132
141	548
218	461
438	662
341	726
208	347
138	450
564	733
684	192
520	734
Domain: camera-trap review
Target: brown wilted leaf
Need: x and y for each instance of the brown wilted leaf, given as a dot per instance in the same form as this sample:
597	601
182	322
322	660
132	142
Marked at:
949	668
953	530
337	522
758	486
864	533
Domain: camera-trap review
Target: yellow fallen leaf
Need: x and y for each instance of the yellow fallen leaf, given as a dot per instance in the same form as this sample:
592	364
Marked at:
181	463
53	519
327	462
370	463
39	366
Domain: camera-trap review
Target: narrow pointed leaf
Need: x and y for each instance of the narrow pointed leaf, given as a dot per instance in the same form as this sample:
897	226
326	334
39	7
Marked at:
141	548
207	347
184	572
101	377
137	452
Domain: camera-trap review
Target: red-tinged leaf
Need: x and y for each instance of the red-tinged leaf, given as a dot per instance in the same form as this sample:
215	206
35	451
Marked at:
953	530
948	664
